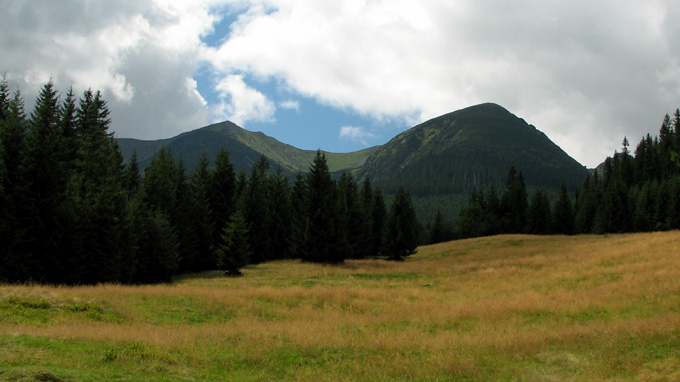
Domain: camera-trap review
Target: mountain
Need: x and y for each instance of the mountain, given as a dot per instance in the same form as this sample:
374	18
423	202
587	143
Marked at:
439	161
245	148
472	147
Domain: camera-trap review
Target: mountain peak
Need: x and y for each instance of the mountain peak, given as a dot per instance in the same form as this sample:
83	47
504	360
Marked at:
473	147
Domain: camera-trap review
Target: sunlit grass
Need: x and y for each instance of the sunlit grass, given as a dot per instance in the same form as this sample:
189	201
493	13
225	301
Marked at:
513	307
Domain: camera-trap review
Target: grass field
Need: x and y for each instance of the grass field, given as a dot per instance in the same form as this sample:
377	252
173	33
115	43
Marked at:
508	308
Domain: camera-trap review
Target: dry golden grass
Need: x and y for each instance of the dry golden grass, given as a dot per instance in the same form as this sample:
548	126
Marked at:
507	307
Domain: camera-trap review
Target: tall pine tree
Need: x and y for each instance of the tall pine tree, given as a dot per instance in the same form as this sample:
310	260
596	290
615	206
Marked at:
322	240
401	230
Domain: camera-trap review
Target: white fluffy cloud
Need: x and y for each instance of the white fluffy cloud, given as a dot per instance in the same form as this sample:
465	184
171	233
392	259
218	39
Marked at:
141	54
355	134
586	73
241	103
581	71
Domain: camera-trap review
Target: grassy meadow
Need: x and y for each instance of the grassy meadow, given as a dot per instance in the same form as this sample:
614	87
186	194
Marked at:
508	308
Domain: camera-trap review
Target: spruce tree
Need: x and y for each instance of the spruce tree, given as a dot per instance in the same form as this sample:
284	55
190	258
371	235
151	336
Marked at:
539	222
97	188
439	231
234	252
353	221
588	201
562	213
187	246
298	218
132	179
401	230
46	190
514	202
157	257
160	182
201	216
322	234
377	224
254	204
474	219
16	218
222	193
280	215
67	126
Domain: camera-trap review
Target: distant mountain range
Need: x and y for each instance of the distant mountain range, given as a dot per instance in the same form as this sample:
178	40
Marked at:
245	148
439	161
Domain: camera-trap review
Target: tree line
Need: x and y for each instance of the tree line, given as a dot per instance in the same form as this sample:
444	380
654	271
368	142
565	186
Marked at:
73	213
631	192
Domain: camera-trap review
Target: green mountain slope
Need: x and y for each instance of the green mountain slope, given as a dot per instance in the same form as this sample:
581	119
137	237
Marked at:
439	161
245	148
472	147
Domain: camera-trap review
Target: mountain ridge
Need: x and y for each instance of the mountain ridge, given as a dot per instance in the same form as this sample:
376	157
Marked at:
439	161
245	148
477	138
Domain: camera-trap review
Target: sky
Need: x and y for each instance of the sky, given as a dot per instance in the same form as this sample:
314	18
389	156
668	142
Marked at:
342	75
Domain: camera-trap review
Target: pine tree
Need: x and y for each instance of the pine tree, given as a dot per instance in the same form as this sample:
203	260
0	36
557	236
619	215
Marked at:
160	182
613	214
377	228
185	230
234	252
4	99
222	193
254	204
364	248
16	217
539	214
322	235
46	190
493	212
401	230
67	126
643	209
562	213
439	232
474	219
514	202
280	215
201	216
673	217
298	219
353	222
588	201
132	179
97	189
157	249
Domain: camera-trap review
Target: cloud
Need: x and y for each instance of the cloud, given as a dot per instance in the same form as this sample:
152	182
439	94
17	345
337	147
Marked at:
577	70
290	105
241	103
356	134
586	73
140	54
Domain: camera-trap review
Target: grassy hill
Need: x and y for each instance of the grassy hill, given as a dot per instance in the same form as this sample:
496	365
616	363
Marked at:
524	308
469	148
442	160
245	148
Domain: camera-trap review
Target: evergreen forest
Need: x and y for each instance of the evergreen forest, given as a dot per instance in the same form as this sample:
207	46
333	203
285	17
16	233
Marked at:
73	213
632	191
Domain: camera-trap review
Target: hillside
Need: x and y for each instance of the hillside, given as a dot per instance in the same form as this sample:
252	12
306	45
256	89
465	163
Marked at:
245	148
439	161
472	147
503	308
